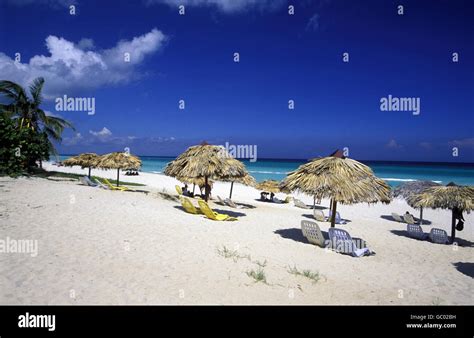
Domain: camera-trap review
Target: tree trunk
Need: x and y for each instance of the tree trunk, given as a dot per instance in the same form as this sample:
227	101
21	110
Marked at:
453	227
333	213
206	189
231	188
118	173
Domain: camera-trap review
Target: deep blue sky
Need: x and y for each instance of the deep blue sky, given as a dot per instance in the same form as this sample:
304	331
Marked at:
282	57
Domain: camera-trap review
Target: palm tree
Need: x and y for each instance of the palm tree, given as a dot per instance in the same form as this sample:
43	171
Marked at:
26	110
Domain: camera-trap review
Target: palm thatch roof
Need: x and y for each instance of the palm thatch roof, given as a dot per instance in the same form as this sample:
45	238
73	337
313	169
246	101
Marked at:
84	160
119	160
205	160
408	189
341	179
445	197
269	185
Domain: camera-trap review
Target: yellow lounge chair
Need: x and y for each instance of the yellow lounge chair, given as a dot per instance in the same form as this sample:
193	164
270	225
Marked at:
179	190
206	210
189	206
113	187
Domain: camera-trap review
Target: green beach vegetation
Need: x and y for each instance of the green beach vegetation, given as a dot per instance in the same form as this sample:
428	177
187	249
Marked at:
27	133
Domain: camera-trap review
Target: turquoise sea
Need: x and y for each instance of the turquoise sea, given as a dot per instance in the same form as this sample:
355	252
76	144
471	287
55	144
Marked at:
394	173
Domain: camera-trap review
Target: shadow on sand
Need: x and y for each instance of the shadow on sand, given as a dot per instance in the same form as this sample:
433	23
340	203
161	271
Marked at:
220	211
465	268
390	218
459	241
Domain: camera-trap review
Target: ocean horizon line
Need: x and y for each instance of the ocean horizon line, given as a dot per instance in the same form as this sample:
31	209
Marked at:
269	159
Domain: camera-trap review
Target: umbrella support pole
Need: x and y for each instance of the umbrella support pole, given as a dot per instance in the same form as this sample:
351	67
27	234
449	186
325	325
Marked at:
194	186
453	227
118	173
421	216
333	213
314	202
231	188
206	189
89	172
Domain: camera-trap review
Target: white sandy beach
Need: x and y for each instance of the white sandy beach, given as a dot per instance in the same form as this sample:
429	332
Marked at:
107	247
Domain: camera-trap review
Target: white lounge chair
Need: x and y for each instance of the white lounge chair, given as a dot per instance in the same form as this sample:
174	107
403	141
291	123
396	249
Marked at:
415	231
342	242
313	233
85	180
299	204
221	201
231	204
438	236
408	218
319	215
397	217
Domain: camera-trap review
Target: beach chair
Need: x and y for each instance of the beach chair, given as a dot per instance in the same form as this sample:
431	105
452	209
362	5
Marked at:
287	199
206	210
189	206
86	181
102	185
338	219
342	242
438	236
409	219
113	187
178	190
221	201
415	231
231	204
313	233
298	203
319	215
397	217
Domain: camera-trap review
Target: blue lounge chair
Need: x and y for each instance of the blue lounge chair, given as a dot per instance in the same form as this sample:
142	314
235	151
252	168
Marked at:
343	243
415	231
438	236
339	219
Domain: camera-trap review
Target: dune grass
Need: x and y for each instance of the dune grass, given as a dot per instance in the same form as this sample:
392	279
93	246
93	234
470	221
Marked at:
258	275
313	276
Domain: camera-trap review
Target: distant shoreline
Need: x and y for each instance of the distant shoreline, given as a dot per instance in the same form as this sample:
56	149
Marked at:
454	164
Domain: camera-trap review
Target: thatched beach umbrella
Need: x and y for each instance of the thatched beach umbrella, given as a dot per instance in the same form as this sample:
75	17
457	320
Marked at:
269	185
339	178
451	196
85	160
409	189
208	161
246	179
119	161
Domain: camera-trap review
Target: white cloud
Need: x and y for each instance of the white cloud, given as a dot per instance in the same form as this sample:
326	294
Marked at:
392	144
86	44
69	67
71	141
466	142
227	6
104	133
313	23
